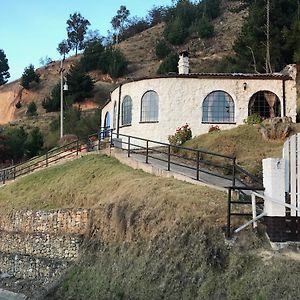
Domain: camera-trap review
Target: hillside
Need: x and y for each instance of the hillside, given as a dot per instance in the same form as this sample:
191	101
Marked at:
153	238
139	51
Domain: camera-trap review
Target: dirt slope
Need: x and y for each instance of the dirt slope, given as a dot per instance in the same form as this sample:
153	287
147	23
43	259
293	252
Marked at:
139	50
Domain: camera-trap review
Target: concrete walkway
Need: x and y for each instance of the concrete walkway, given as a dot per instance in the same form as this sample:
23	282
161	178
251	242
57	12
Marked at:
159	168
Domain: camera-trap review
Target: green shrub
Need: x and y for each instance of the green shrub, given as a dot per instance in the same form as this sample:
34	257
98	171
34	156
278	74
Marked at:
18	105
32	109
29	77
34	143
112	62
169	64
162	49
253	119
203	28
52	103
175	32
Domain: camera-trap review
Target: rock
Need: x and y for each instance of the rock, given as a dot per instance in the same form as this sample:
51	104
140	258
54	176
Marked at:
276	128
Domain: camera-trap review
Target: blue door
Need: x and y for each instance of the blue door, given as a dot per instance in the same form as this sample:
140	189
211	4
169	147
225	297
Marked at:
106	124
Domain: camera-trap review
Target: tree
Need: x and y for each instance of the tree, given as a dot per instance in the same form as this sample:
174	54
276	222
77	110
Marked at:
77	28
34	142
119	20
169	64
251	46
80	84
156	15
4	74
16	138
91	56
29	77
63	48
113	62
162	49
52	103
32	109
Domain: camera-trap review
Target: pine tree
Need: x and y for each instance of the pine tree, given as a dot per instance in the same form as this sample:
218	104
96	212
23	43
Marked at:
4	74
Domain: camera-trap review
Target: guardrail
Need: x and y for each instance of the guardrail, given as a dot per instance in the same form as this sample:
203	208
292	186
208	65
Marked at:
197	161
46	159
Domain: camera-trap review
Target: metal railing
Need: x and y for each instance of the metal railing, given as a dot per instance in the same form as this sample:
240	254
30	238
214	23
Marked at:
198	164
50	157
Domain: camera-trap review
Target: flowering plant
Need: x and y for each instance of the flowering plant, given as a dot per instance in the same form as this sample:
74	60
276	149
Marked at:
214	128
182	134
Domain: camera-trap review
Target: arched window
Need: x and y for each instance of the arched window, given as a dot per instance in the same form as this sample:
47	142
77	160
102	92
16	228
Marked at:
127	111
115	116
107	121
265	104
218	107
149	107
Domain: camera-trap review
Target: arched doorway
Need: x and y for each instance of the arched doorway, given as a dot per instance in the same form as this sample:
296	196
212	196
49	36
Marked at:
266	104
106	124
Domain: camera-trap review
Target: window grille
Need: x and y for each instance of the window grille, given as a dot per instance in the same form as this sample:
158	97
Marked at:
149	107
127	111
218	107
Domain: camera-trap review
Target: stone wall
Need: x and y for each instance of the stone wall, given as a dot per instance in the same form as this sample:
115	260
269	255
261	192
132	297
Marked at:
53	222
40	245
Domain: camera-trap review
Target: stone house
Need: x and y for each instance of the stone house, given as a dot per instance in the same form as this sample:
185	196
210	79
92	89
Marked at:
154	107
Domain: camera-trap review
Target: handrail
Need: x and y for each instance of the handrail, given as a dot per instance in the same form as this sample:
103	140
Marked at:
176	146
34	163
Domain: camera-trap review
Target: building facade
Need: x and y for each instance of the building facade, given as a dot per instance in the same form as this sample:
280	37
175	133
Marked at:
153	108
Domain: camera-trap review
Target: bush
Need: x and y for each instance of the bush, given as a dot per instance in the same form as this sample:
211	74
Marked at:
91	56
80	85
253	119
29	77
203	28
162	49
18	105
175	32
182	134
34	143
32	109
113	62
52	103
169	64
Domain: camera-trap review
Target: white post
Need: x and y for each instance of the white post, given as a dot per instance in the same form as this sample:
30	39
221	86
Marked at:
253	209
274	184
61	100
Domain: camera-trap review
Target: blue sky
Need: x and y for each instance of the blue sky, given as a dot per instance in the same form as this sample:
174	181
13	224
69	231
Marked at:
31	29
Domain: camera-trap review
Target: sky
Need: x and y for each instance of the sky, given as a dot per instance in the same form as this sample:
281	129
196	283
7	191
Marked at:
32	29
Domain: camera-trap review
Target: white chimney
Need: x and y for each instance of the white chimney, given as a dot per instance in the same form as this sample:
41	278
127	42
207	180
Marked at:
183	64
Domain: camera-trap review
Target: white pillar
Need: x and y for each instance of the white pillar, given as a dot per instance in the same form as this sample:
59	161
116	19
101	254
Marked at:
274	184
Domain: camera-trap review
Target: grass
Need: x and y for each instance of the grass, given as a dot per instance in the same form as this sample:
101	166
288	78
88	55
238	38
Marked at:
94	180
152	238
245	142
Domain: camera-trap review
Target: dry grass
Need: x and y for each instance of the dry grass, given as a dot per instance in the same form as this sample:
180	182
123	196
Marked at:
98	181
245	142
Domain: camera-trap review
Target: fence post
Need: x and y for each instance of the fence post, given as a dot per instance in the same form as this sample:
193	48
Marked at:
147	151
228	213
47	159
169	157
128	152
77	147
14	172
111	138
198	163
233	171
4	175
